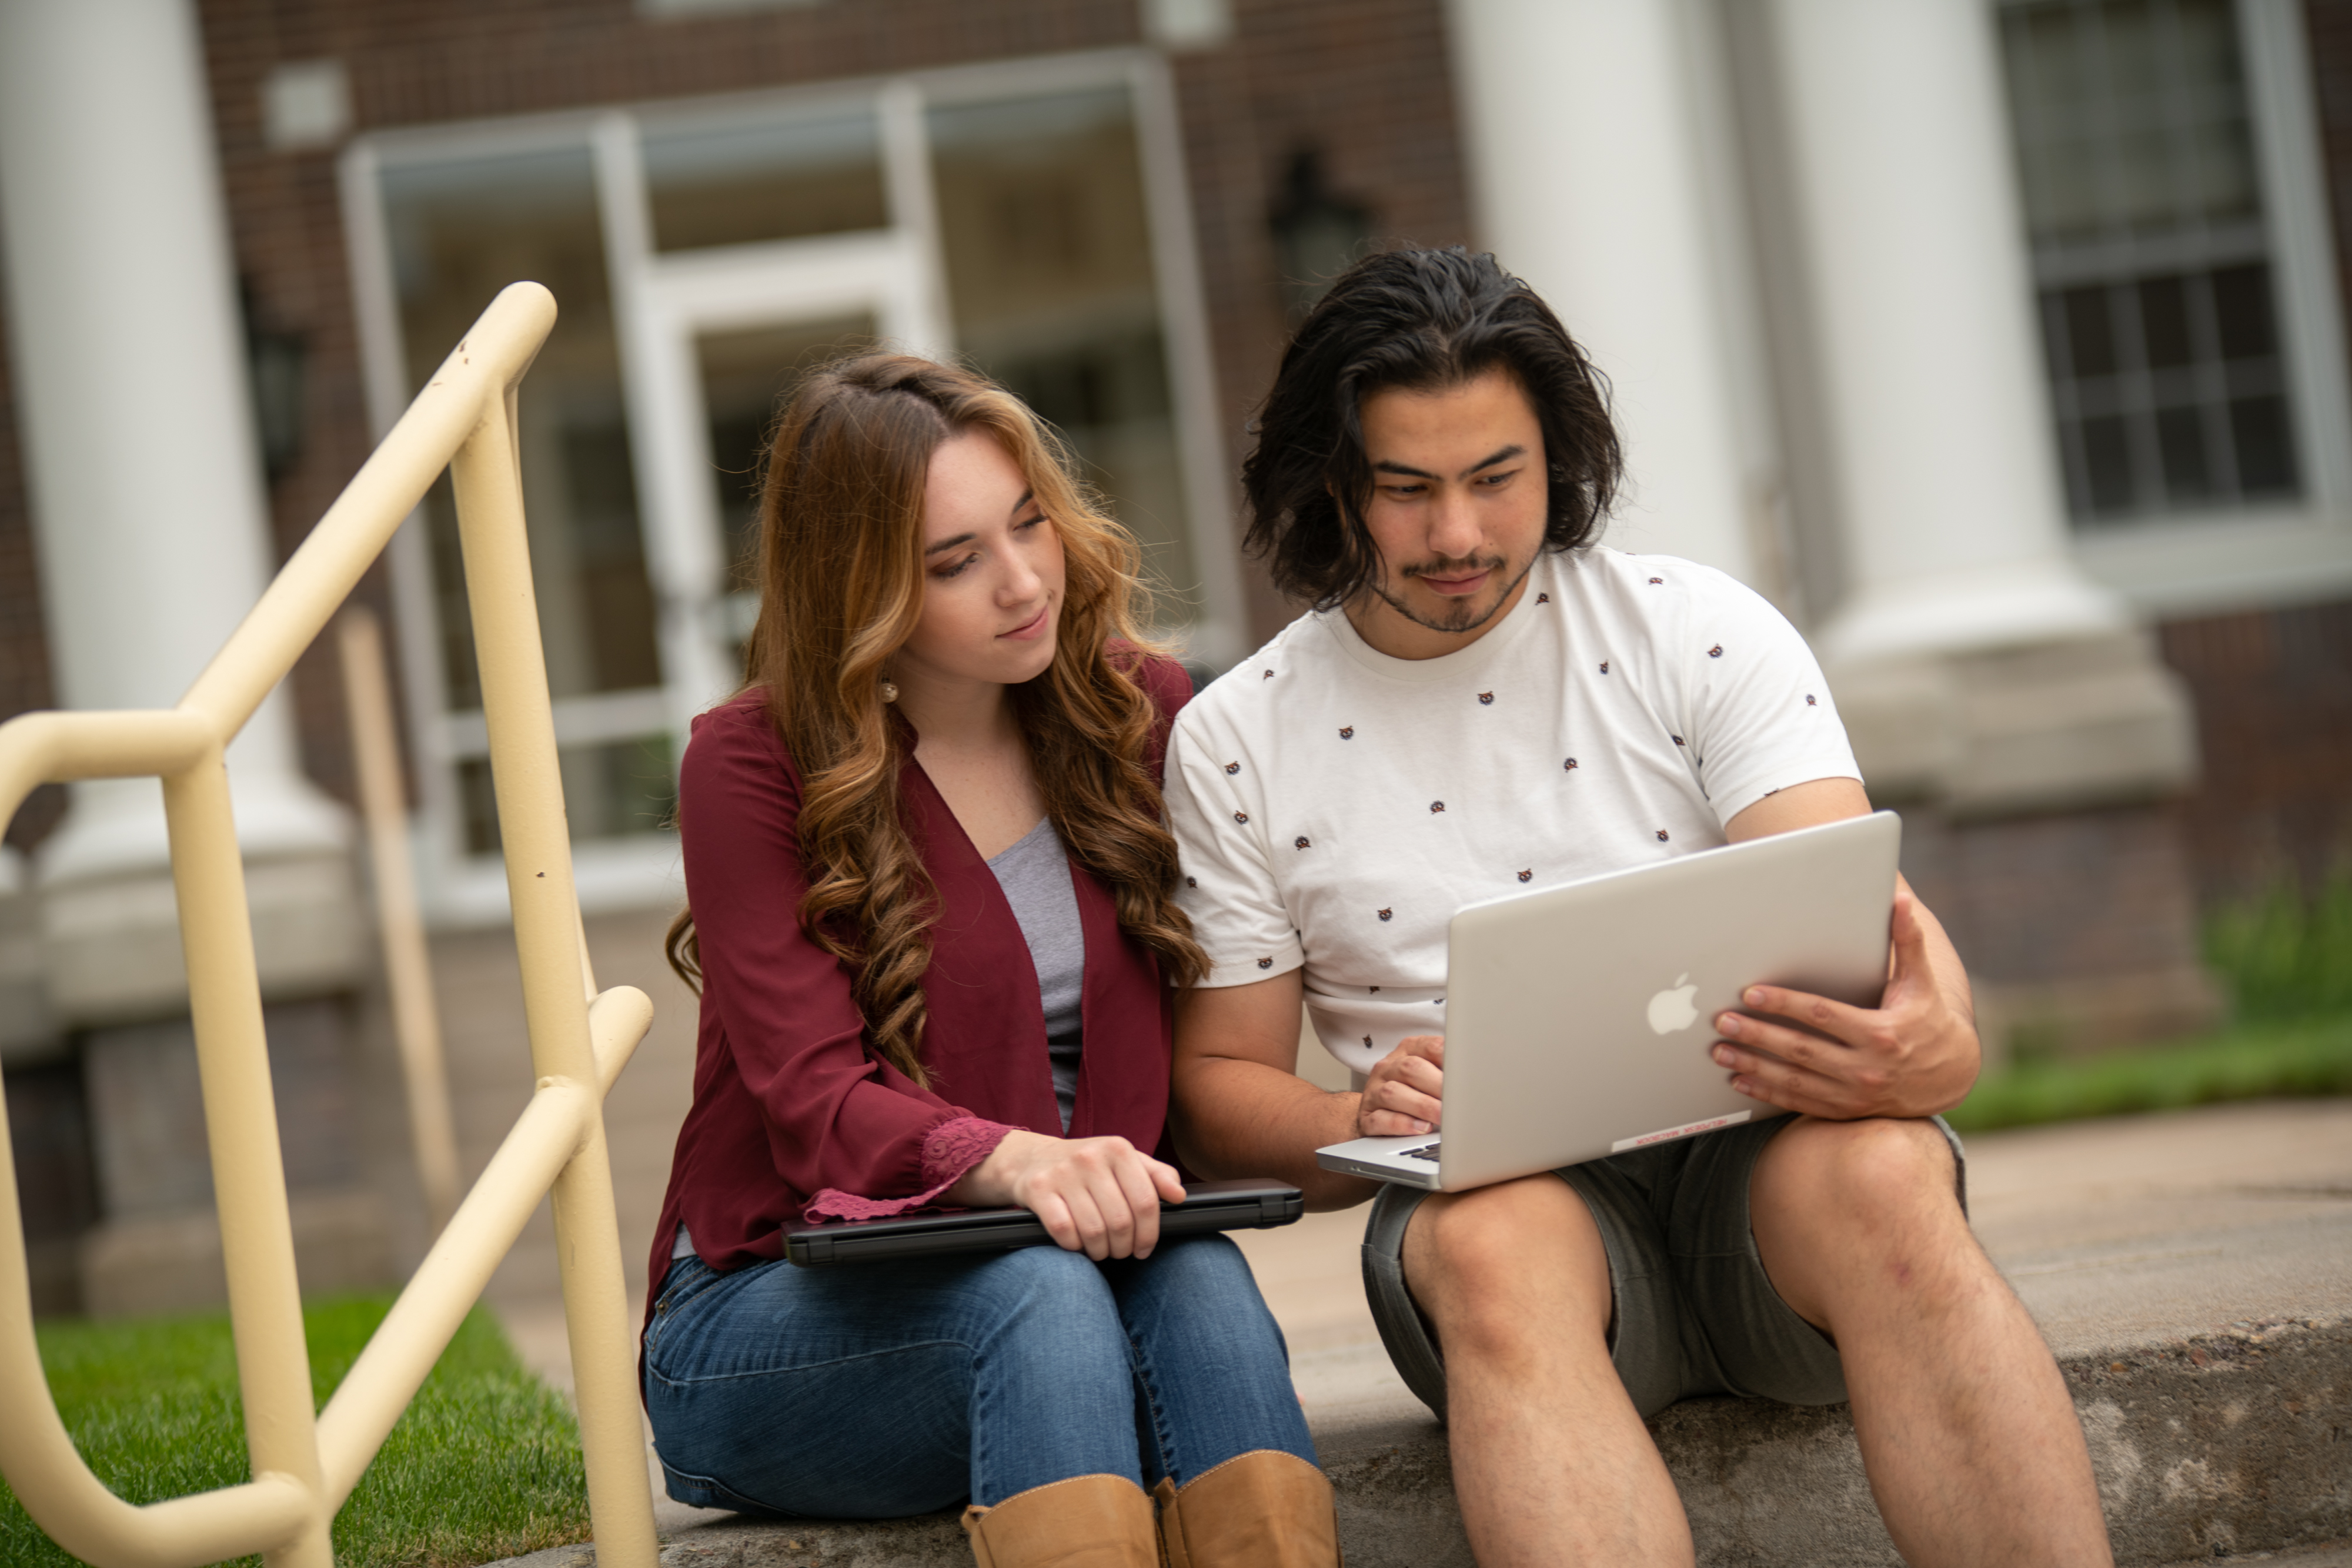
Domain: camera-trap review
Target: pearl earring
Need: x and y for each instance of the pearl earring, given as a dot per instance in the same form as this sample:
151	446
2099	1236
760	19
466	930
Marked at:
889	692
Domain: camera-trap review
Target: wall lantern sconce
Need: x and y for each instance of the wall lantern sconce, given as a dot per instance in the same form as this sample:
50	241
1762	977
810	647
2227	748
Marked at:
1317	234
277	362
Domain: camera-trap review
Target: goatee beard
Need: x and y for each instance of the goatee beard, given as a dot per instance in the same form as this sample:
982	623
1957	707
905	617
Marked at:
1458	616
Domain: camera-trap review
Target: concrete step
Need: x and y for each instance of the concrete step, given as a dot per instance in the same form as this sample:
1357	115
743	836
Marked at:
2208	1446
2192	1271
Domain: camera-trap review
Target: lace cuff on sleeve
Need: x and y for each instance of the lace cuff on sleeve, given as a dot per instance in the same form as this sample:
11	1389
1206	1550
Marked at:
949	1150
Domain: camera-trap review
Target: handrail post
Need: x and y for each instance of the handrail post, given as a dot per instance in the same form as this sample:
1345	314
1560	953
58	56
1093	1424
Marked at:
264	1299
400	929
528	789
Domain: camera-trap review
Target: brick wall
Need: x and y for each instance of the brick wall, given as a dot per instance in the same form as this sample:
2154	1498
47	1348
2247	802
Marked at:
2274	694
56	1177
2038	900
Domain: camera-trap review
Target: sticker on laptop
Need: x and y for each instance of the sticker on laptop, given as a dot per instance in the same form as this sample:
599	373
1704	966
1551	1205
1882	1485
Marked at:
1666	1134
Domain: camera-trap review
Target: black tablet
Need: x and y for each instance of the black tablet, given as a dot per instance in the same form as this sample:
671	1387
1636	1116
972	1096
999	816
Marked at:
1207	1206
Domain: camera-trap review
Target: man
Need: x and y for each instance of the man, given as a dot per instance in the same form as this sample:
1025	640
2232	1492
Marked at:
1486	700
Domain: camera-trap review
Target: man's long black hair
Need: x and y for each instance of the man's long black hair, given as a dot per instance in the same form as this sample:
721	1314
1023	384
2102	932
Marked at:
1423	321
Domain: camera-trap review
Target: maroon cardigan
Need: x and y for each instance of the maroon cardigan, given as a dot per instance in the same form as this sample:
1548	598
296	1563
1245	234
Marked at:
791	1117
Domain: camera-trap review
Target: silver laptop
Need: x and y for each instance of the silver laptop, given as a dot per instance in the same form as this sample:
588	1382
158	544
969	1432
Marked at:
1578	1018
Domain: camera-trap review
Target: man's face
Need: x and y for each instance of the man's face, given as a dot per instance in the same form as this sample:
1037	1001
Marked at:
1457	512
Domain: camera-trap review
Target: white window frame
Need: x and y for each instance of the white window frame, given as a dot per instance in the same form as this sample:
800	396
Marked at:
2193	562
659	300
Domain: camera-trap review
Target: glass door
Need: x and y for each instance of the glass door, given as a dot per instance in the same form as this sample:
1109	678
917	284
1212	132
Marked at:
719	346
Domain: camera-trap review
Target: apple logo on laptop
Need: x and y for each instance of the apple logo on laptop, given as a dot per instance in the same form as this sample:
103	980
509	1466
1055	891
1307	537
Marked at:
1671	1009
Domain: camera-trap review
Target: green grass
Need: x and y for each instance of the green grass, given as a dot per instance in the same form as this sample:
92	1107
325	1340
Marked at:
2251	1061
485	1463
2284	956
2285	960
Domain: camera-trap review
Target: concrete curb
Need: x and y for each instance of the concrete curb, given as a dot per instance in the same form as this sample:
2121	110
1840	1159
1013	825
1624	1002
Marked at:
2222	1445
2226	1444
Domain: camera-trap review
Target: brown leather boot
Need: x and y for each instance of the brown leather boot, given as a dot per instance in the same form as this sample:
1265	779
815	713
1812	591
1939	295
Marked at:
1264	1509
1087	1522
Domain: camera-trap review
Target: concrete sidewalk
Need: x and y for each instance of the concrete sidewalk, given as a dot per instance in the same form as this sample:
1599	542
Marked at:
2193	1272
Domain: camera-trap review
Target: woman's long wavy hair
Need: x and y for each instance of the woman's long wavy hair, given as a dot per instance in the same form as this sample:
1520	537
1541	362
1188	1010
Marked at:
841	588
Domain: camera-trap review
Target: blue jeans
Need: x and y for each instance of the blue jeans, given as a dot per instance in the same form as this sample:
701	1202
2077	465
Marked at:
876	1390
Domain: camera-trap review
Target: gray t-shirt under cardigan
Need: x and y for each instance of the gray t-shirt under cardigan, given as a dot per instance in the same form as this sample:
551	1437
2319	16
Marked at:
1036	876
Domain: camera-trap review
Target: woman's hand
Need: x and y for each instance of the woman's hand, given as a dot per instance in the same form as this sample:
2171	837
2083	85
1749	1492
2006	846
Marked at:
1097	1195
1401	1095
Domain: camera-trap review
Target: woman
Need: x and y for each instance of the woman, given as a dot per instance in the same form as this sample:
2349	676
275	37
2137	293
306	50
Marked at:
930	915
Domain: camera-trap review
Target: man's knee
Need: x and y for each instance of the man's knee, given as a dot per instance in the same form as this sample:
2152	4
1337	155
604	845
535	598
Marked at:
1497	1265
1846	1213
1877	1171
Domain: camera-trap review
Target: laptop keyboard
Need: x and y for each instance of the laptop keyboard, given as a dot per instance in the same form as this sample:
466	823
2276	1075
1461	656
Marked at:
1426	1151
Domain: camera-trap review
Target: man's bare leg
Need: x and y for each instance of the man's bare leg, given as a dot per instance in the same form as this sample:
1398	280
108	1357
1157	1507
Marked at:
1969	1436
1551	1465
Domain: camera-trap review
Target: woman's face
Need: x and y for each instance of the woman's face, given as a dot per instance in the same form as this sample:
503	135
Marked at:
992	575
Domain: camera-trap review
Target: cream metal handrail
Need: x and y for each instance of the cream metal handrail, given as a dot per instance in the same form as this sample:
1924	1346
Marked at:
407	969
304	1466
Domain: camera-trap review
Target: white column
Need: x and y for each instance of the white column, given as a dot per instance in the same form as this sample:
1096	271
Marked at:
1973	662
149	512
1596	161
1946	476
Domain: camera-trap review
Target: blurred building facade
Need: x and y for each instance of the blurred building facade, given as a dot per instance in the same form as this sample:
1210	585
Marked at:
1999	343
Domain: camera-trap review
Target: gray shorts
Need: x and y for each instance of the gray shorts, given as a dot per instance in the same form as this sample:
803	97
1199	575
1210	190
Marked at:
1694	1311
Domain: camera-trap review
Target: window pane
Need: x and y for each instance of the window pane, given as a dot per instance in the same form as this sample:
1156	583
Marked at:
2090	332
2144	206
2204	86
2265	450
2241	309
2130	115
461	232
610	790
1051	281
2164	322
766	179
2180	441
2106	455
2075	465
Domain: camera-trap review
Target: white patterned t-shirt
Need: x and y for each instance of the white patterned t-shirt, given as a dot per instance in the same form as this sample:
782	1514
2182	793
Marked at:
1334	807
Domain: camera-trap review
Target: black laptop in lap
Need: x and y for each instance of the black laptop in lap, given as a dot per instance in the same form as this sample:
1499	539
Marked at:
1246	1205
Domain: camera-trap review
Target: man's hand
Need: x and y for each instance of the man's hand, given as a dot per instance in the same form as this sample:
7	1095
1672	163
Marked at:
1401	1094
1913	1054
1238	1107
1097	1195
